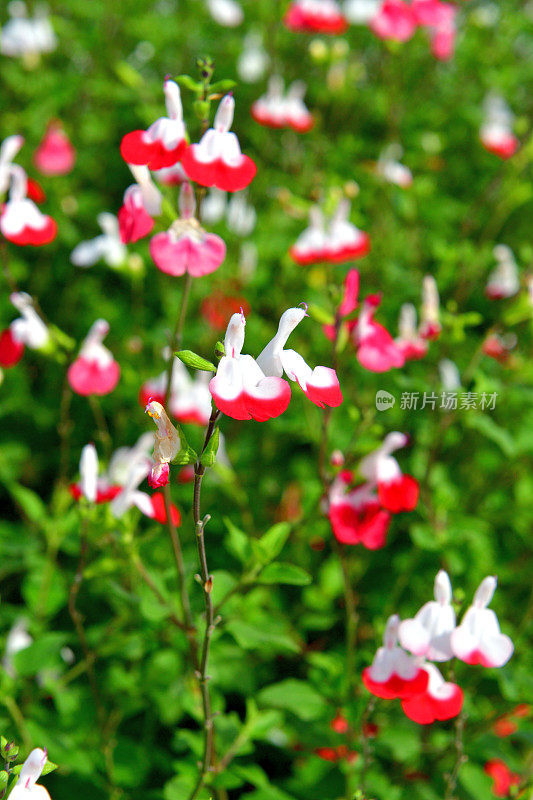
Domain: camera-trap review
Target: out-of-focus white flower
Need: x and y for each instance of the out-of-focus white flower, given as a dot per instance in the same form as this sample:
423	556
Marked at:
449	375
213	207
360	12
108	246
89	472
248	259
29	328
27	37
226	12
240	215
253	61
17	639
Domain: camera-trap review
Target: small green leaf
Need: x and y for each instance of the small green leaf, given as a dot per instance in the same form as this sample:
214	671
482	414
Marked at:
209	456
321	315
4	777
237	542
273	541
295	696
201	109
223	86
48	767
8	749
186	456
279	572
195	361
220	350
189	83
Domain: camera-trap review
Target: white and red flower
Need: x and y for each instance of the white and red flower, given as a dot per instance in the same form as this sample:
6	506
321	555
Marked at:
356	516
217	159
190	399
504	280
108	246
394	20
320	385
376	349
393	672
396	492
21	222
26	787
429	633
163	143
496	132
412	345
275	109
186	246
55	155
29	329
8	150
391	169
315	16
240	389
441	700
166	447
94	371
310	246
478	639
91	486
341	242
430	327
142	201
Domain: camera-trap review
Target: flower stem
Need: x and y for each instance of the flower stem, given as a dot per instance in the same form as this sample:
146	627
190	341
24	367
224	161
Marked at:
177	334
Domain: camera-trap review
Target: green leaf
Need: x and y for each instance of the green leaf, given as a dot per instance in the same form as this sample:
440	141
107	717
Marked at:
237	542
30	503
129	75
194	361
223	86
258	637
209	456
273	541
476	782
40	654
295	696
8	749
280	572
189	83
321	315
48	767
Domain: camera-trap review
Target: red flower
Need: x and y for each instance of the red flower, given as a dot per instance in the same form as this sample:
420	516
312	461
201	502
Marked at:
502	777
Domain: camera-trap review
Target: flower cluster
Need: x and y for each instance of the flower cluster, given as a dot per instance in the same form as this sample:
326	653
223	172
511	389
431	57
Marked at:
336	243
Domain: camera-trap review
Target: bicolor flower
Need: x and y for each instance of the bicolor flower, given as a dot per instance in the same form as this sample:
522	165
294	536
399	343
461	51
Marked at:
504	280
502	777
499	347
428	633
411	344
55	154
394	20
275	109
396	492
376	349
226	12
21	222
391	169
349	303
240	389
315	16
393	672
142	201
95	488
163	143
167	444
217	159
190	399
441	700
107	247
478	639
29	329
356	516
8	150
186	246
496	132
94	371
430	327
170	176
310	246
152	506
345	242
253	60
26	787
124	459
320	385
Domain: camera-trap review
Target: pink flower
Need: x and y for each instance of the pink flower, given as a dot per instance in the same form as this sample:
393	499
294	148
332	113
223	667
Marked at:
376	349
394	20
95	371
503	778
356	516
190	399
142	201
478	639
429	633
440	701
163	144
55	154
240	388
315	16
159	475
217	159
393	672
186	247
396	492
21	222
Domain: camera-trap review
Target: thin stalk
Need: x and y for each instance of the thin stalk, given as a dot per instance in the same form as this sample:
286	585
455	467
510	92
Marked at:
101	424
177	334
460	757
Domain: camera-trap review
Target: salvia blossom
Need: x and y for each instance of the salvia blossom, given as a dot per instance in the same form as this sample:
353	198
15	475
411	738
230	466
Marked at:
342	241
240	215
449	374
152	506
430	327
186	246
253	60
107	247
502	777
21	222
26	787
496	132
356	515
170	176
214	206
142	201
8	150
27	37
277	109
394	20
29	329
504	280
499	347
216	308
190	399
375	348
226	12
217	159
315	16
167	444
95	488
164	142
94	371
360	12
478	639
411	344
55	155
17	639
396	492
443	32
391	169
441	700
428	633
393	672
